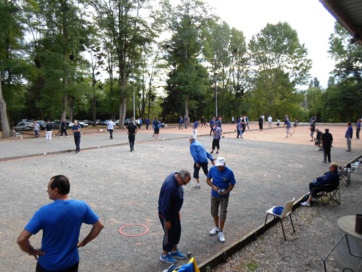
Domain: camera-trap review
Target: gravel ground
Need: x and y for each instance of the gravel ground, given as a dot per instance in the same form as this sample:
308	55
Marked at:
315	237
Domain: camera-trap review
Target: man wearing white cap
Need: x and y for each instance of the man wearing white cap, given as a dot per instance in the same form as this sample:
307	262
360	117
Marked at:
221	179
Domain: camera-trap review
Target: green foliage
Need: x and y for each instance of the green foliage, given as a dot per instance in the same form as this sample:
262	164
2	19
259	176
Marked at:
342	100
188	80
278	46
281	64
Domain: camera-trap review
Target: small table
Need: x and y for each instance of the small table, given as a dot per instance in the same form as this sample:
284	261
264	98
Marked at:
348	254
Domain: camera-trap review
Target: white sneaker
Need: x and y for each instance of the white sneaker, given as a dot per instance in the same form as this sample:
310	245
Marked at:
197	186
214	231
221	237
305	204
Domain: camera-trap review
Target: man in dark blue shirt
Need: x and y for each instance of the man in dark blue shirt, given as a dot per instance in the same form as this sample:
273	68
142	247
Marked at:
348	136
319	183
169	205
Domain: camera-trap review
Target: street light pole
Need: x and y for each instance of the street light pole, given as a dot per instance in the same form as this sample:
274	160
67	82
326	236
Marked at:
134	104
216	114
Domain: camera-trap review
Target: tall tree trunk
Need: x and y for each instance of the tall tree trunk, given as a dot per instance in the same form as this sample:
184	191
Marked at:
3	114
64	107
71	108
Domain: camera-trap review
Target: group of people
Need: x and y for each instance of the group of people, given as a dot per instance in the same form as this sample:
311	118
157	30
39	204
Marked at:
61	221
221	180
49	127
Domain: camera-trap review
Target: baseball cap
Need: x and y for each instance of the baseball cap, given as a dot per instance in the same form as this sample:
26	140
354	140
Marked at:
220	161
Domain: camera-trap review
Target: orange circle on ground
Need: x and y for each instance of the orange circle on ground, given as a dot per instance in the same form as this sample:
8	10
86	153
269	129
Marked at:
133	225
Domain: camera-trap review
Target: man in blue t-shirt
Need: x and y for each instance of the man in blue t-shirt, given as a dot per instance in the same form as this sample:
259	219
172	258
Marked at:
221	179
61	222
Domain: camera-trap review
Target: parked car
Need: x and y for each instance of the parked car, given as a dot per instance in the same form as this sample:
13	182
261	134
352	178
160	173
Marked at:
42	124
56	124
82	123
23	126
127	121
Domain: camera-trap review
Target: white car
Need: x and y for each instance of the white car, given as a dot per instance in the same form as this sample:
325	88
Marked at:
82	123
24	126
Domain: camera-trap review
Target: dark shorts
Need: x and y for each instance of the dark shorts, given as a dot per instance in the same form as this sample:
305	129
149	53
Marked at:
202	165
157	130
73	268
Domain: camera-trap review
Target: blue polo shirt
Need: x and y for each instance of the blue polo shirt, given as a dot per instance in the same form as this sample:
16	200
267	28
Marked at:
221	179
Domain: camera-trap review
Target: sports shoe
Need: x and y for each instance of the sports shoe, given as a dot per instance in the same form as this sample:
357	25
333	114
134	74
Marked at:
197	186
217	152
305	204
212	151
214	231
168	259
178	255
221	237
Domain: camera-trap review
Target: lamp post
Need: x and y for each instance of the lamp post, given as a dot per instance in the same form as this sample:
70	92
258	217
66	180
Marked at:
216	114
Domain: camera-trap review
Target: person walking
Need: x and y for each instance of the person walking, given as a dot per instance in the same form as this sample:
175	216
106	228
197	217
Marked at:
243	125
327	141
147	123
194	128
349	135
212	122
270	121
200	156
63	128
60	223
180	122
247	121
261	121
48	131
238	128
156	128
216	138
132	131
76	133
288	126
221	179
169	205
36	128
110	128
312	129
358	128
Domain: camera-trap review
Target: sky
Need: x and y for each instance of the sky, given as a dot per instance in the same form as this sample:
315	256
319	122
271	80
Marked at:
313	23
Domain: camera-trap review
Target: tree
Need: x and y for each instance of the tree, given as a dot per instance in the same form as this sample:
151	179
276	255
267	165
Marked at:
281	64
188	79
127	33
12	64
345	91
60	30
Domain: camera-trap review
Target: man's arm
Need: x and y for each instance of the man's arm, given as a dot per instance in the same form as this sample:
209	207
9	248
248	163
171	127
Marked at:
208	181
96	229
24	244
